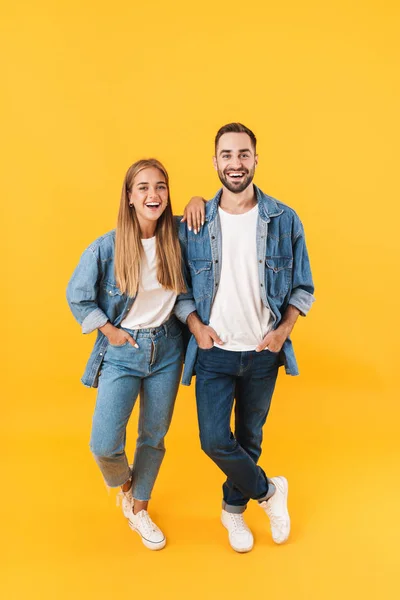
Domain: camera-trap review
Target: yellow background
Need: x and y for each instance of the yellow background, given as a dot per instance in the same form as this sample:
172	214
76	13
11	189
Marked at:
89	87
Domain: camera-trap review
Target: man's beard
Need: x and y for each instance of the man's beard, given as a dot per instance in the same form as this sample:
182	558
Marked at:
238	187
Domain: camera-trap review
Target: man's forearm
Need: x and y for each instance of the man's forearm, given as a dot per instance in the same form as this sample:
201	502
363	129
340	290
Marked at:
288	321
194	322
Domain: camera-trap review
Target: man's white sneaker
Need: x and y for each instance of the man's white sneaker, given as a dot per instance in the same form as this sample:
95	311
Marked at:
152	537
240	536
277	511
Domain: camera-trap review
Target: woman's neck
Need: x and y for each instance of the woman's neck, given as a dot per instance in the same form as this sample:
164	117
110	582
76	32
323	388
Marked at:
147	229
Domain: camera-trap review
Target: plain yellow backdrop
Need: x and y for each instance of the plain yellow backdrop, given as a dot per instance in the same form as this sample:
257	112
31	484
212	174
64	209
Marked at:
87	89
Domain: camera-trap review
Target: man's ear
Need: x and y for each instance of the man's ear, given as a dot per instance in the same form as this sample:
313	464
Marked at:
215	163
256	159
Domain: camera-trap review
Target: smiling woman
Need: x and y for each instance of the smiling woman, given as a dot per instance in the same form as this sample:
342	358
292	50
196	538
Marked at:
144	212
125	286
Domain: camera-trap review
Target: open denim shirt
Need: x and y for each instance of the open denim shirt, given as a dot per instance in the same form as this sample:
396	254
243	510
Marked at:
95	298
283	268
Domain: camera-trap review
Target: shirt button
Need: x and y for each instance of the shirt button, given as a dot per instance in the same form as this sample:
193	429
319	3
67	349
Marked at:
101	354
216	284
213	237
262	285
216	261
260	261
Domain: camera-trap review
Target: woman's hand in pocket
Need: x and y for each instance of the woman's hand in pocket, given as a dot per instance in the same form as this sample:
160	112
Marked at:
117	336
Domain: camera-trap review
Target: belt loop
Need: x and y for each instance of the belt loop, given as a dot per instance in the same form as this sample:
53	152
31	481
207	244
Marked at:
135	333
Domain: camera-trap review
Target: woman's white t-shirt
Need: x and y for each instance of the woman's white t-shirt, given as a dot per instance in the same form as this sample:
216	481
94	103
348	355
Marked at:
153	303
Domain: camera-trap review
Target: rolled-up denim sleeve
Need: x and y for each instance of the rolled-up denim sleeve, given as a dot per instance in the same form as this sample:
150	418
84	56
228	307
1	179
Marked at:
183	307
185	303
302	283
82	293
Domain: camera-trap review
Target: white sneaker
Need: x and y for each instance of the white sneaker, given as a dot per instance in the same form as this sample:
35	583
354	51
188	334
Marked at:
126	500
276	509
152	537
240	536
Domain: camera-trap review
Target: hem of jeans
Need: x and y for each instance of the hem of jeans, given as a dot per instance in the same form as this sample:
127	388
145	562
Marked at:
230	508
267	495
117	485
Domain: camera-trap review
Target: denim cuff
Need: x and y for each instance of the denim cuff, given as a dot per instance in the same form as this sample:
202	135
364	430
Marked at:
236	510
183	308
271	492
302	300
94	320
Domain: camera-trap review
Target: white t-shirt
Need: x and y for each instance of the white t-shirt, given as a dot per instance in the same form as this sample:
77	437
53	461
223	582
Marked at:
238	314
153	304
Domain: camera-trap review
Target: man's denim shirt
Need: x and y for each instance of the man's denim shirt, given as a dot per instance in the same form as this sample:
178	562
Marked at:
284	270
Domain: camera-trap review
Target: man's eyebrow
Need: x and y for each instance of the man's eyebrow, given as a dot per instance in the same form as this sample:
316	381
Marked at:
241	150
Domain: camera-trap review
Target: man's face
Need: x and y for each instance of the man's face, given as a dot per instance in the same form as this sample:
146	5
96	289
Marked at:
235	161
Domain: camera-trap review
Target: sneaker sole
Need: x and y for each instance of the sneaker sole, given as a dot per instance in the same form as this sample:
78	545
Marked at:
147	543
240	550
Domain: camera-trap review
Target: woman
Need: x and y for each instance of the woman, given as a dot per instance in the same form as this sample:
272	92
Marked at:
125	286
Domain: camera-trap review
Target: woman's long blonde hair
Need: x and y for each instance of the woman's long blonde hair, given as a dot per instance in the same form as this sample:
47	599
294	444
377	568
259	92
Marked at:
128	245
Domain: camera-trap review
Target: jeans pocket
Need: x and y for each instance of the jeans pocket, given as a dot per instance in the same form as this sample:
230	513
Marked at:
119	345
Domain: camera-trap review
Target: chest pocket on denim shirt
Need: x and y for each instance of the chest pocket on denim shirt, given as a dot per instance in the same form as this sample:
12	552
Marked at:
202	277
278	274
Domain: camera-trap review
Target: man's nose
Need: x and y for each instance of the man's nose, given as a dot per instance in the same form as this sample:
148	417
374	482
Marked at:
236	162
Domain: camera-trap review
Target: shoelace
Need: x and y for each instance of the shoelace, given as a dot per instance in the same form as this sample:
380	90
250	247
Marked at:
276	520
238	521
146	522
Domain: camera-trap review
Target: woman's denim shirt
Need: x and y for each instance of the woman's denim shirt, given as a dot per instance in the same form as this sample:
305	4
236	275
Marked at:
94	298
283	267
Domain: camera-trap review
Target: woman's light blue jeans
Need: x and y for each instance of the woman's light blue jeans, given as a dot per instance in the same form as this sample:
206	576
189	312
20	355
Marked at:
154	371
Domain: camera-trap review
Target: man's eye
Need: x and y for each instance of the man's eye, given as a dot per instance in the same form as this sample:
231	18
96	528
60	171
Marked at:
142	189
245	156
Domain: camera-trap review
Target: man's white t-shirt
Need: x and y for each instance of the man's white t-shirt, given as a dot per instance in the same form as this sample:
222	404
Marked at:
238	314
153	304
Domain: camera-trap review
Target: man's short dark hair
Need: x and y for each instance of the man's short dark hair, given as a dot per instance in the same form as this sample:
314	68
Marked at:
236	128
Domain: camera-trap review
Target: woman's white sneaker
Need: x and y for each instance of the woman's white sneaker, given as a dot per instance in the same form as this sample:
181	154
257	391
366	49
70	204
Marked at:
152	537
126	500
240	537
277	511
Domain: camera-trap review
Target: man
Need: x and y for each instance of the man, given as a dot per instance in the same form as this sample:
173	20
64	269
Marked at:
249	279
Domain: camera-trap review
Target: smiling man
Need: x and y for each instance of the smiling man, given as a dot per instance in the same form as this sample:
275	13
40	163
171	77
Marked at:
249	279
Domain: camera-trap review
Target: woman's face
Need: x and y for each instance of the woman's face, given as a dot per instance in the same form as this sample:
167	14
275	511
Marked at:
149	195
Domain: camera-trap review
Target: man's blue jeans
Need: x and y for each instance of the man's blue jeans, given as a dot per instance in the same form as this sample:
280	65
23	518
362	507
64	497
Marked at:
249	378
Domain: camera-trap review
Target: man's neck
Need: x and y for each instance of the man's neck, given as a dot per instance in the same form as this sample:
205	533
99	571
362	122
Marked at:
237	204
